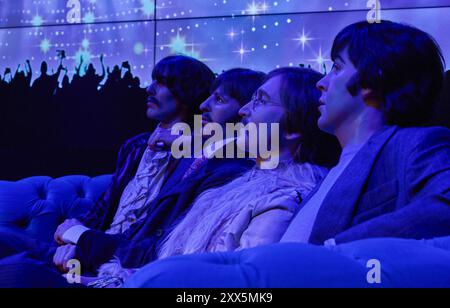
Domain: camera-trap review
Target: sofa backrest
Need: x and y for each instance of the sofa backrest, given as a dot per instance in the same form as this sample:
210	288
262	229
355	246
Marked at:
37	205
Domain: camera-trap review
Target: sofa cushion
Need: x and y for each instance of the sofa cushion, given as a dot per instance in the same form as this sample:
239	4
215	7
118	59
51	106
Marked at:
37	205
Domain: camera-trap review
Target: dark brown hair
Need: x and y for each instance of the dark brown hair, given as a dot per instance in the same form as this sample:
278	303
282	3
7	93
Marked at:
300	97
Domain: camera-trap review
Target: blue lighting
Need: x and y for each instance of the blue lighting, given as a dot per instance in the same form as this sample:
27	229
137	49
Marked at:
259	34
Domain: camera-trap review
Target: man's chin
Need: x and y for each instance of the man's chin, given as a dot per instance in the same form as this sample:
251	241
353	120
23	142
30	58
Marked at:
321	124
325	126
151	115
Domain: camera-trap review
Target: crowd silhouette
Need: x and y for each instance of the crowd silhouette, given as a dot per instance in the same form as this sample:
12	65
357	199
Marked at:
57	125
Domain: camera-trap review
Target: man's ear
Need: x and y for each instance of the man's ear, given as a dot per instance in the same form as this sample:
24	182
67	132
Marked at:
370	98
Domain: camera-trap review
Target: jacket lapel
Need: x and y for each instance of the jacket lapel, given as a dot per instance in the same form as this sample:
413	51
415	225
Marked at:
339	205
175	176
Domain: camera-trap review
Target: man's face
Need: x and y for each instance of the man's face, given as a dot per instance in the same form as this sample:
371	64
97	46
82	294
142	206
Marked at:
161	104
337	105
220	108
265	107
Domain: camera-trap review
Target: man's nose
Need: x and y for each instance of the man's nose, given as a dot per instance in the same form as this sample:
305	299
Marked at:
246	110
322	85
204	107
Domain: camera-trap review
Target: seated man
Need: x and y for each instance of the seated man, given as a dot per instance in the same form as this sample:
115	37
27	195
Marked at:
143	170
179	85
393	176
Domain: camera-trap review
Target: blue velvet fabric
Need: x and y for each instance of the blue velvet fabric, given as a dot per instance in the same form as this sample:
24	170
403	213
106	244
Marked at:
37	205
403	263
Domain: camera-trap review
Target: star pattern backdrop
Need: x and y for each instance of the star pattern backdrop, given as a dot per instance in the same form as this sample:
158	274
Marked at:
261	35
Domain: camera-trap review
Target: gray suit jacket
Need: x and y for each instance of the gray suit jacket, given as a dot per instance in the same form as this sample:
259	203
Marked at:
398	185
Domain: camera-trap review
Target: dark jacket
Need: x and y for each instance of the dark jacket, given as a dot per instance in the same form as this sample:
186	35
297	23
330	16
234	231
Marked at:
398	185
102	213
139	244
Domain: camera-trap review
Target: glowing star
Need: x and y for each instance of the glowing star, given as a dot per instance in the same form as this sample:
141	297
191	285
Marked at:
242	51
37	21
178	44
232	34
148	7
253	9
303	39
89	18
193	53
85	43
45	45
320	60
138	48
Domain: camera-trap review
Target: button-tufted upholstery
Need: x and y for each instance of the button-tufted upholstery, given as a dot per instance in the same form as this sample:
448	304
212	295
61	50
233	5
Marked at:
37	205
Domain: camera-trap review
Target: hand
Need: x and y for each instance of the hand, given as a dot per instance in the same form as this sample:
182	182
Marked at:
126	65
63	255
62	228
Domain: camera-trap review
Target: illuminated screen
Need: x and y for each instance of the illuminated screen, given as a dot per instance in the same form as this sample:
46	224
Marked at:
224	33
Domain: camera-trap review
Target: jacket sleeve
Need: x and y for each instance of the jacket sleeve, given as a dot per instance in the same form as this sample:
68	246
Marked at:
95	248
427	182
263	225
128	154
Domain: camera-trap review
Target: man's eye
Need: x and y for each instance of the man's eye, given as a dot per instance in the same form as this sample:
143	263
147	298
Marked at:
336	67
220	100
263	102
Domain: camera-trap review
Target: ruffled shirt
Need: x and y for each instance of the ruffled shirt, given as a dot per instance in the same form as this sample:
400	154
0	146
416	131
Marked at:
250	211
141	190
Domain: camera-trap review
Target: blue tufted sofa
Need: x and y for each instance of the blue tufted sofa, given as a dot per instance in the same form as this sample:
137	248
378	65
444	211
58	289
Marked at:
37	205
